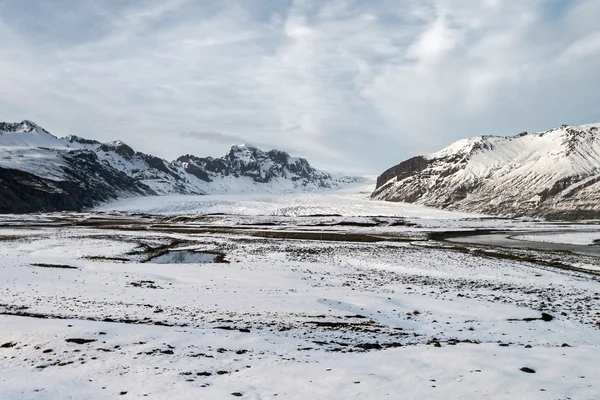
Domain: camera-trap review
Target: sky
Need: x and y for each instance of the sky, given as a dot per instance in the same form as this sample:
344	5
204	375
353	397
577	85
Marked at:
351	85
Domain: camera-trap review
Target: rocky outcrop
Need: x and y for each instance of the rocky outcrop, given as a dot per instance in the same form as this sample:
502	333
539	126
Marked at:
262	167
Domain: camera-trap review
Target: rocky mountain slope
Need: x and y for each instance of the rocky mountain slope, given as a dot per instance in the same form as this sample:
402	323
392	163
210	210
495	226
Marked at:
40	172
553	174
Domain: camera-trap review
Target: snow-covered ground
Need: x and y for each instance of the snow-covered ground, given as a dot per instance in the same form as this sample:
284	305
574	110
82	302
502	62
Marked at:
293	307
275	368
579	238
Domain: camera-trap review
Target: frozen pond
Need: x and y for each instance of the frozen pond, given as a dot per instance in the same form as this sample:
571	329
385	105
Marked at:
185	257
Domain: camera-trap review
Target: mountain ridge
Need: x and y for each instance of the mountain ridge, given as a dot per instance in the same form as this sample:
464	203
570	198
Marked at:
74	173
553	174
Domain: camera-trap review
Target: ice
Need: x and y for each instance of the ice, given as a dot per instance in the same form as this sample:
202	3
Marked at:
353	201
184	257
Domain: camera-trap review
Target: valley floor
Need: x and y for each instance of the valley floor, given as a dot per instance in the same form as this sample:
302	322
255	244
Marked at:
295	307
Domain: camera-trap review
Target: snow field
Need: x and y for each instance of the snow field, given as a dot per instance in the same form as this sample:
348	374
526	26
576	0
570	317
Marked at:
285	319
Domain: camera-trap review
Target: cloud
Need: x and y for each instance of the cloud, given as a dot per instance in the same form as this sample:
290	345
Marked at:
588	46
436	41
228	140
347	84
214	136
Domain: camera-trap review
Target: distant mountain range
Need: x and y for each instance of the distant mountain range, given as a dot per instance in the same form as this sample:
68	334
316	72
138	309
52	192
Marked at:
553	174
41	172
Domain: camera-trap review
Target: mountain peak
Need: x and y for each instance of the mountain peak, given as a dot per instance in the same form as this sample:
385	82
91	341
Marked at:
24	126
30	124
27	134
250	151
246	153
119	147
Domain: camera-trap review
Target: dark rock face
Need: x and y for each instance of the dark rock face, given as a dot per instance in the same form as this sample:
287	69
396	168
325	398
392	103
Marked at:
158	164
403	170
193	169
77	139
89	183
120	148
551	175
104	181
23	192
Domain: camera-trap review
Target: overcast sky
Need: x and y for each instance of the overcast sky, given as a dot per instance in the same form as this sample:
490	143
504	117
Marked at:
352	85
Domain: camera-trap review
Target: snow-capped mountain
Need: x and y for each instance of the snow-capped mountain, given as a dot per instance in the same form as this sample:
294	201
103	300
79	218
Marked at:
41	172
553	174
247	164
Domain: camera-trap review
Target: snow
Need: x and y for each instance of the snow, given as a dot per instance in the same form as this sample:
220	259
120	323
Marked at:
278	292
534	155
578	238
323	295
45	163
27	134
351	201
512	173
453	372
27	147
